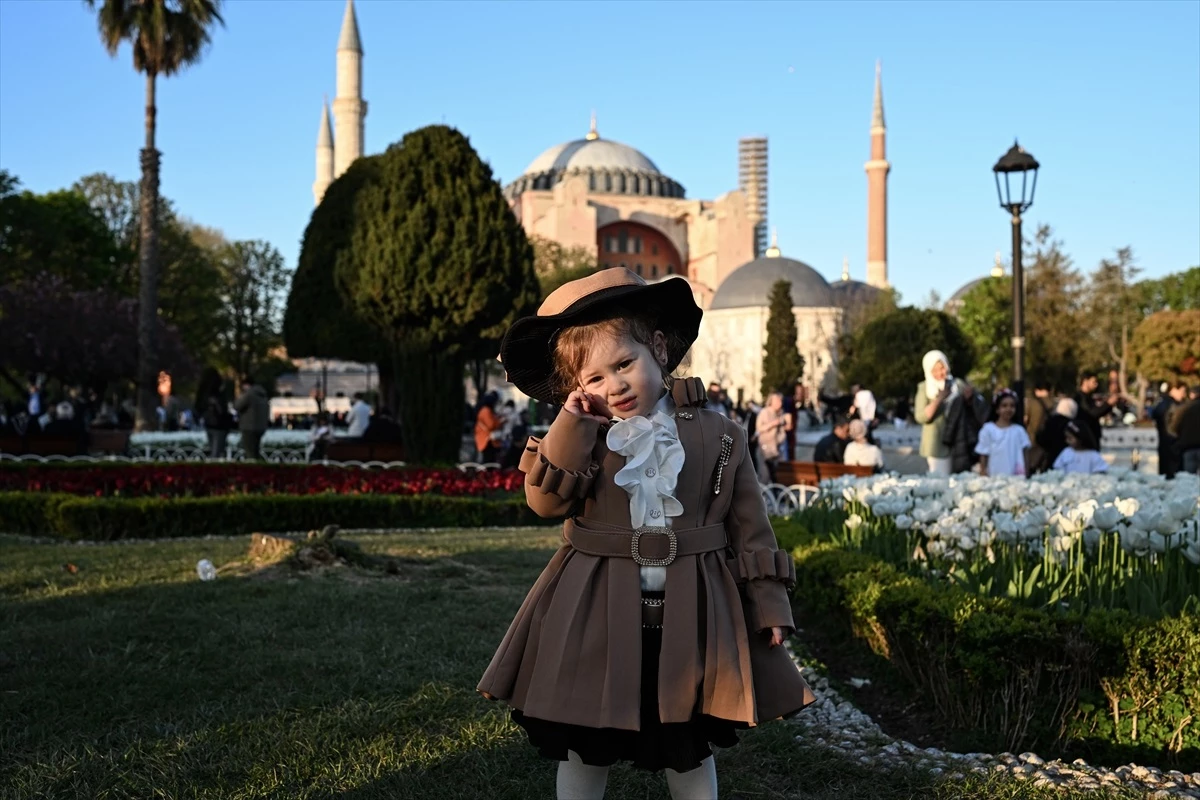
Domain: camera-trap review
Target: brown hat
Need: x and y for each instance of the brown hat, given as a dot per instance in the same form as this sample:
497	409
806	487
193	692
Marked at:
527	351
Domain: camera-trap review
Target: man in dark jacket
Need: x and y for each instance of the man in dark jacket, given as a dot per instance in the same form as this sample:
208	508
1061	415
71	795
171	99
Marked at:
254	412
1169	459
1037	410
832	448
1092	410
1184	425
965	417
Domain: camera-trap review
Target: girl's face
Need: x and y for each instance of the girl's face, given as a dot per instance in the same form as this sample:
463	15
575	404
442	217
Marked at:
1007	409
939	371
627	374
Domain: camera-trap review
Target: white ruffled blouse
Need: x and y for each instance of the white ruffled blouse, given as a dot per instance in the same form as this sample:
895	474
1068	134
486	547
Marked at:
653	461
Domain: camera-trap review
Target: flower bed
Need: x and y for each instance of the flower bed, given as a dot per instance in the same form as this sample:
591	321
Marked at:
1105	684
1124	540
218	480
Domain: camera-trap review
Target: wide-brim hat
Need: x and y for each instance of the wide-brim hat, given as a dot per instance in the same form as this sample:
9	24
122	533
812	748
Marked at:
527	351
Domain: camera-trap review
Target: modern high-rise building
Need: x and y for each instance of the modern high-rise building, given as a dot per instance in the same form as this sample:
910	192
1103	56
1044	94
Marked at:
752	179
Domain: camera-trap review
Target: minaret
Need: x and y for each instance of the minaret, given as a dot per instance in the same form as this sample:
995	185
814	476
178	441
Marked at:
324	156
845	268
592	134
877	172
998	267
349	109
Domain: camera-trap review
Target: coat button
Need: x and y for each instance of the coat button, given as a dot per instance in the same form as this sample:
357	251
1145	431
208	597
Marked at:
650	473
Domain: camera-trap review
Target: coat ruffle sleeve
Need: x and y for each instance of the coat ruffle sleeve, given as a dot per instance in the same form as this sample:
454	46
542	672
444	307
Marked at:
768	571
560	468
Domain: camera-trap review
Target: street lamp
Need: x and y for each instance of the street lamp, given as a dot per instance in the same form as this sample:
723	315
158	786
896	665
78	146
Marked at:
1013	164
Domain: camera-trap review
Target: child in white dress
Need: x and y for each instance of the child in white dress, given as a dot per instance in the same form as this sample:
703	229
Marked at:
1003	444
1081	453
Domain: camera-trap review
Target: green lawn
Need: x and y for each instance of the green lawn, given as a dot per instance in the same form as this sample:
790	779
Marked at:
132	679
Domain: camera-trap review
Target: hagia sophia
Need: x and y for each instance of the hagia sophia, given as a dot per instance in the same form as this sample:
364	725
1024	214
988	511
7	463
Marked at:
610	198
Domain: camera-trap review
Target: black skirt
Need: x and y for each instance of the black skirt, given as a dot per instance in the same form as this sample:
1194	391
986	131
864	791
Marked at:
680	746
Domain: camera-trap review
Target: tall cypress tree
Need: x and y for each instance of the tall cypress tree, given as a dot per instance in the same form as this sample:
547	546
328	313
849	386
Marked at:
782	363
439	265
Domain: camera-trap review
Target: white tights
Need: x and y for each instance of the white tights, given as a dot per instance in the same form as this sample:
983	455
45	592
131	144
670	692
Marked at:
580	781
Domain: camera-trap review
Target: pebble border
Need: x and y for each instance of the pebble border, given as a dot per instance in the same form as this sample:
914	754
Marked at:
833	722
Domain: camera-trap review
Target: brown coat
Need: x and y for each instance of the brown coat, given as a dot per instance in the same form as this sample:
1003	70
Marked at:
572	653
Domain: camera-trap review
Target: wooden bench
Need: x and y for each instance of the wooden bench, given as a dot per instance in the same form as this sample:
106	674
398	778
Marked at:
811	473
39	445
109	441
358	450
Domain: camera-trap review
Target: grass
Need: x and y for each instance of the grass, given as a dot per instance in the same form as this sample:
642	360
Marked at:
132	679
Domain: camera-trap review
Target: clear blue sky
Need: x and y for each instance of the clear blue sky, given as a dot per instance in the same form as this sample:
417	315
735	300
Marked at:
1105	95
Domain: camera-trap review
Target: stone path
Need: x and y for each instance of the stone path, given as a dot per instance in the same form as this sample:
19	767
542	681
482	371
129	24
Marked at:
835	723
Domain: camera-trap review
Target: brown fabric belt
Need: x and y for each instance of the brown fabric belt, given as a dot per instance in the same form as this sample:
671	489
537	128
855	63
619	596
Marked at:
649	546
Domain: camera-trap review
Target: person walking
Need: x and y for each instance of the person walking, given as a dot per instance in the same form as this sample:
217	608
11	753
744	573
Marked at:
1092	409
254	413
1037	410
212	407
771	428
488	433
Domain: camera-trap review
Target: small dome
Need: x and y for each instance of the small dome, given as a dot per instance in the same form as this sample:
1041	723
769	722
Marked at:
750	285
849	294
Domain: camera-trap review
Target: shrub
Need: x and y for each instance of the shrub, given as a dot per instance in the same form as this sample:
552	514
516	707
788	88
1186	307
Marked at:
1106	683
71	517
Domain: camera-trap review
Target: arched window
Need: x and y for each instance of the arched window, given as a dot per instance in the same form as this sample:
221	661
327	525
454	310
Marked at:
637	244
654	248
622	242
607	182
670	269
591	181
654	271
639	269
610	246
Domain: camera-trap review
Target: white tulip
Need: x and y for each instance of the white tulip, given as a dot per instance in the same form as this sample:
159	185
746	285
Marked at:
1127	506
904	522
1106	517
854	521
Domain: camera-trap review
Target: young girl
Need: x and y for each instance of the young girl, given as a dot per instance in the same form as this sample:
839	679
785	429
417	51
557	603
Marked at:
655	630
1081	453
860	452
1003	445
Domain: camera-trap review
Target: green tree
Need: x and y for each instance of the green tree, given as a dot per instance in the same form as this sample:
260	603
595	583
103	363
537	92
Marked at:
1054	322
1112	311
886	353
1166	346
56	234
1179	291
440	266
782	363
254	280
986	317
318	321
556	265
166	36
189	255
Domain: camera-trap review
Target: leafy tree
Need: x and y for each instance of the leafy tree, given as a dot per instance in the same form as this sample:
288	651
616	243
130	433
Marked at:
1112	311
55	233
253	282
1054	296
85	337
190	269
166	36
986	317
886	353
782	363
1166	346
440	266
556	265
1179	291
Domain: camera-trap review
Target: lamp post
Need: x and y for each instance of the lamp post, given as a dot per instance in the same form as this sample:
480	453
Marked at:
1016	162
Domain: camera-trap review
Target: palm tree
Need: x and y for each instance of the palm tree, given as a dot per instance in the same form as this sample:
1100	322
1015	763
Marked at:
167	36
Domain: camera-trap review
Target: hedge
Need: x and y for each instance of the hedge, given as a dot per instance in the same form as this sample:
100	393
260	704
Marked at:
1106	684
73	517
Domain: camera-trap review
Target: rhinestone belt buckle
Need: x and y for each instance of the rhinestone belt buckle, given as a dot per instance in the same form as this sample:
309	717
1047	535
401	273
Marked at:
636	552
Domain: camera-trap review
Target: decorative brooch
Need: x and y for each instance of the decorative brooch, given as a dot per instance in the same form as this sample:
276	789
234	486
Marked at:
726	451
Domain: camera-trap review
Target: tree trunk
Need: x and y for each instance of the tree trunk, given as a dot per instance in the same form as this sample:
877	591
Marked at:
430	403
147	377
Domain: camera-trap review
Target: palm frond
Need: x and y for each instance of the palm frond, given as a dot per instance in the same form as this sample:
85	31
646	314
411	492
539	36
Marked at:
167	35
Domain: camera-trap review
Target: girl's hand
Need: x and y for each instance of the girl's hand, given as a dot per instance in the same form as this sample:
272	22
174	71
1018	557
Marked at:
776	636
590	406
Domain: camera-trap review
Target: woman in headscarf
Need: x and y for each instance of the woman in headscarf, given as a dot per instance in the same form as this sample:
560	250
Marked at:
929	407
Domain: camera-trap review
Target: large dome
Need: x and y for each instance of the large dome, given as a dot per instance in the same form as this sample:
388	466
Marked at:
750	284
609	167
